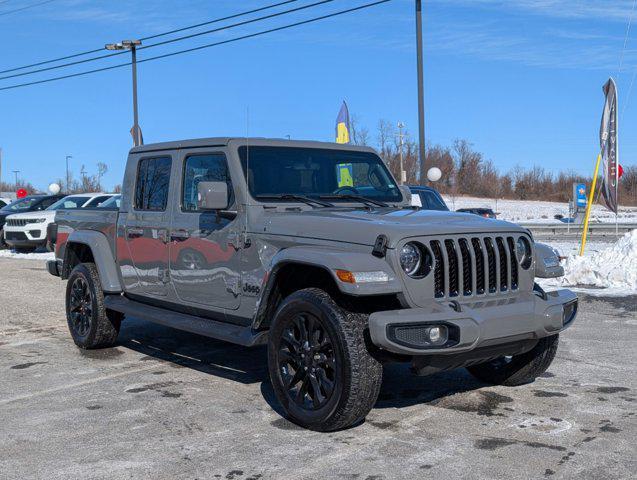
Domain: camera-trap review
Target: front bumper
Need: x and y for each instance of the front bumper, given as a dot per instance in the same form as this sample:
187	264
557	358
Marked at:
30	236
54	267
477	324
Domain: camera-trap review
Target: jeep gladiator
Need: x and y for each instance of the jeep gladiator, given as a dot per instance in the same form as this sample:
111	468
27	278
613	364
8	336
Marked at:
313	249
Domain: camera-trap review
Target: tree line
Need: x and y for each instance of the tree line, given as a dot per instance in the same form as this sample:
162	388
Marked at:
466	171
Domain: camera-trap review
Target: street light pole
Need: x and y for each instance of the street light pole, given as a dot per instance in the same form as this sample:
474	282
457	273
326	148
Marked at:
68	174
403	176
132	46
15	172
421	94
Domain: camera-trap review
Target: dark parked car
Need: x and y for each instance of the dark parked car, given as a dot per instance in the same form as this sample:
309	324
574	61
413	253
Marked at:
483	212
32	203
427	198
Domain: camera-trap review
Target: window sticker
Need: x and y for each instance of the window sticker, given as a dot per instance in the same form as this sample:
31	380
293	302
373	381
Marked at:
345	175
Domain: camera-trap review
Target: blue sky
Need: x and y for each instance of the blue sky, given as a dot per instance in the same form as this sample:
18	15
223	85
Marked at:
520	79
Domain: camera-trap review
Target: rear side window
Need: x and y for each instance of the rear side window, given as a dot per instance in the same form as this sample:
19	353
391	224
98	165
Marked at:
210	167
433	201
153	180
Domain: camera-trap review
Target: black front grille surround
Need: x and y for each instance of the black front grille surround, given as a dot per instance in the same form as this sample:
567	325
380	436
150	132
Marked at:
15	236
474	265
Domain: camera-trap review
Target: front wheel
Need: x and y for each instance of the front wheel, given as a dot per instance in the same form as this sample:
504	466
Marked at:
518	369
90	324
320	368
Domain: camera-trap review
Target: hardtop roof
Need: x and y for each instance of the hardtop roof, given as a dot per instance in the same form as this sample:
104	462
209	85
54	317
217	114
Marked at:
253	141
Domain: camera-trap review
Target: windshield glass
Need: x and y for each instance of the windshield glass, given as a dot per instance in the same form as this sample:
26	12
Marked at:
315	172
22	205
69	202
112	202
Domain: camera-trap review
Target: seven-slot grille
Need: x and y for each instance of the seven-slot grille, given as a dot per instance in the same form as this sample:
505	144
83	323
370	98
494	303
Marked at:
20	222
474	266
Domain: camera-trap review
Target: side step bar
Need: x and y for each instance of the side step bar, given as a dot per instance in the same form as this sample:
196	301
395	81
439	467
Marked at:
182	321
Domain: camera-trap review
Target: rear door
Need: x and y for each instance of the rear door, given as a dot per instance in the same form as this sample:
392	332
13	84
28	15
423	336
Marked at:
144	258
204	250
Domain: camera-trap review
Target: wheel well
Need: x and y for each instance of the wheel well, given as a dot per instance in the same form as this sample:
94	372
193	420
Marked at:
76	253
293	277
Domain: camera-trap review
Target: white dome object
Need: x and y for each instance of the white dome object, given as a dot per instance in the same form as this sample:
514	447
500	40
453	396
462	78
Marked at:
434	174
54	188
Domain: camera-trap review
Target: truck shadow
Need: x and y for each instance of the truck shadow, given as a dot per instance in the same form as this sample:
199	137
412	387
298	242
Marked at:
400	388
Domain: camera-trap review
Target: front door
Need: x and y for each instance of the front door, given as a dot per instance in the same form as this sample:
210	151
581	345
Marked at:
144	261
204	250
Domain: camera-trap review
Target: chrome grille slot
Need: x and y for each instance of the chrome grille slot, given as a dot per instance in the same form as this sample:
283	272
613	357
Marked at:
504	264
514	263
467	268
452	258
492	264
439	269
479	254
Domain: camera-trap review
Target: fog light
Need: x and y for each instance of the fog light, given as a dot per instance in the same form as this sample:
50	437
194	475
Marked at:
438	334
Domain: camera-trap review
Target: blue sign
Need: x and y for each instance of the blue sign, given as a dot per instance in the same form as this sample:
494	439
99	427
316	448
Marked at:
580	195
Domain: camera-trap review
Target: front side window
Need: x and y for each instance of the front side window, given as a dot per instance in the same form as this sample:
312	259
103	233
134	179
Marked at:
316	172
153	181
68	203
204	168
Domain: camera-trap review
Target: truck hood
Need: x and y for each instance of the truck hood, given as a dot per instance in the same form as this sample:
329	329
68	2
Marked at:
363	226
48	215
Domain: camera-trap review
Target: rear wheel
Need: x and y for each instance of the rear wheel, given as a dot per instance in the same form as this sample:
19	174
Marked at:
518	369
90	324
321	370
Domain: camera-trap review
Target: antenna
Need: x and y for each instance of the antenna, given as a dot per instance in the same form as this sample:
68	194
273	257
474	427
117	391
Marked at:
247	172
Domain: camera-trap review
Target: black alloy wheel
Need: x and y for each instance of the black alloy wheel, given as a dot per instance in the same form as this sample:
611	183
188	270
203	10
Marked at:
307	362
81	306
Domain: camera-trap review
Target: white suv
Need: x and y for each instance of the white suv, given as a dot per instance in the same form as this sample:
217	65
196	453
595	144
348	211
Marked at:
28	231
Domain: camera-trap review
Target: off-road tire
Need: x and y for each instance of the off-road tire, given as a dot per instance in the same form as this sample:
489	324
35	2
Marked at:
103	325
356	386
519	369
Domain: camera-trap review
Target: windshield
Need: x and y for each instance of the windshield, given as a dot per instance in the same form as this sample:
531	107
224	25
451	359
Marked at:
22	205
315	172
112	202
69	202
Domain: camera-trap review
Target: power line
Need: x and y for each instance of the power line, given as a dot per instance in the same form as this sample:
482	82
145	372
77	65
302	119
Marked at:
630	21
33	5
173	40
88	52
201	47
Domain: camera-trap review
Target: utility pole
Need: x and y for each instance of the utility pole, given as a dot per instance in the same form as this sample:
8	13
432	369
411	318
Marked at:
68	174
403	174
15	172
132	46
421	94
0	166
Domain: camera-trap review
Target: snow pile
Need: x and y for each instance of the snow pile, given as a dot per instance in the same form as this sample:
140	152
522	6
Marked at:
27	256
613	268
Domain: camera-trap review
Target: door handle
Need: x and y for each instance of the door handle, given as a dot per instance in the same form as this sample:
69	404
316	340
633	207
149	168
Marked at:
134	232
179	235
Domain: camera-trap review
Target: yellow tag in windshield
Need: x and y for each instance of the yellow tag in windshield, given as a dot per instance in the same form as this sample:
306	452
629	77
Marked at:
344	173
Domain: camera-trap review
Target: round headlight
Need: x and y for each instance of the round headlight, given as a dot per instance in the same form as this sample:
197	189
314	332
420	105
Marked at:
523	252
410	259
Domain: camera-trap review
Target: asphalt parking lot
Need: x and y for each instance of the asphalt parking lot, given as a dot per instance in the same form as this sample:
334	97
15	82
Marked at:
168	404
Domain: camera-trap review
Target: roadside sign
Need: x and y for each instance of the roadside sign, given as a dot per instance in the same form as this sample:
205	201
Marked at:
581	195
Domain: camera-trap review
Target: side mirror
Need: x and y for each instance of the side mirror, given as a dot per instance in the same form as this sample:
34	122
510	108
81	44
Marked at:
212	196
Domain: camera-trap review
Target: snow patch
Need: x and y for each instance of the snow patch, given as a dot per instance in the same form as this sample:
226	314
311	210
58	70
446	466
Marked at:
609	271
27	256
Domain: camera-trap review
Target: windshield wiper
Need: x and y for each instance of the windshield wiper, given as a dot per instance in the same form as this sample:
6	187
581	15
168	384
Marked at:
359	198
292	196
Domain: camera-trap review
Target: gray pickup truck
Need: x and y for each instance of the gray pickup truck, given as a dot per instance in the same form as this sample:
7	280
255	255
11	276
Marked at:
312	249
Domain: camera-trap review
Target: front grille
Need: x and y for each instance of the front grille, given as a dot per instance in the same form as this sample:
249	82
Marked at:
20	222
474	266
15	236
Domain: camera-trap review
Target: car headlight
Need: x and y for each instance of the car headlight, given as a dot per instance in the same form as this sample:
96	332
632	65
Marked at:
523	252
410	258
